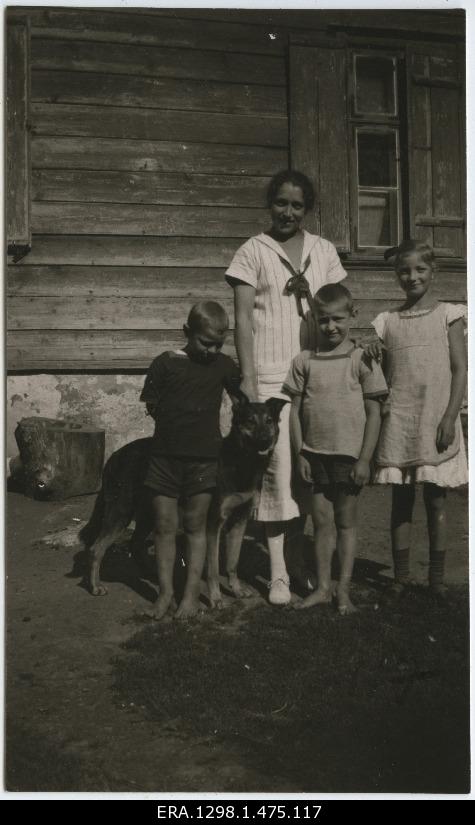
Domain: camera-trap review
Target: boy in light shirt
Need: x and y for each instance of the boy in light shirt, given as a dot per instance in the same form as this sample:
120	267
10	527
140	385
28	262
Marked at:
335	422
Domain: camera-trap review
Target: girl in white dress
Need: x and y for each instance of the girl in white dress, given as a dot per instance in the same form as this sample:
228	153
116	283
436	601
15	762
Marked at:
274	276
421	437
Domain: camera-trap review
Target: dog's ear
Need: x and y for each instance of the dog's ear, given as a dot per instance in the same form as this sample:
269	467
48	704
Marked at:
275	405
238	398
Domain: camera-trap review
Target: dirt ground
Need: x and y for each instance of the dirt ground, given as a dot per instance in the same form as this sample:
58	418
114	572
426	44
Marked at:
64	729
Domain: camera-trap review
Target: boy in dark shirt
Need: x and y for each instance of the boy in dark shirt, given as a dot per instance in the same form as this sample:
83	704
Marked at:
183	392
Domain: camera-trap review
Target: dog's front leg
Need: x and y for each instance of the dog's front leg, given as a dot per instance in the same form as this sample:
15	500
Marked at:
215	525
234	539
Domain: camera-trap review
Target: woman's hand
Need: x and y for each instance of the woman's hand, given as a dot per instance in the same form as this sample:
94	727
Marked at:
445	433
304	470
249	388
360	472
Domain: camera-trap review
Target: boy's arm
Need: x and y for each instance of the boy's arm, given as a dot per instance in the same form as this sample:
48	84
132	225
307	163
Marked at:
149	393
361	470
296	439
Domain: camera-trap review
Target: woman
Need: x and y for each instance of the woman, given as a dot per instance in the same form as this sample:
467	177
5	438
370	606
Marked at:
274	276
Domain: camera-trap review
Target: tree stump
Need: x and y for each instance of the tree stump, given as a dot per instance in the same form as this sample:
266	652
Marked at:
59	458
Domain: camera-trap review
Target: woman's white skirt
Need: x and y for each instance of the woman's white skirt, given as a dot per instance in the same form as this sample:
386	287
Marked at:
280	499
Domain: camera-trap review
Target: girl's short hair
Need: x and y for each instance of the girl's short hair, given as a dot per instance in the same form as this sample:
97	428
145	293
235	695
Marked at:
297	179
396	253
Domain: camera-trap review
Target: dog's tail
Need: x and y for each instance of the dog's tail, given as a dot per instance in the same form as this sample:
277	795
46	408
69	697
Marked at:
91	530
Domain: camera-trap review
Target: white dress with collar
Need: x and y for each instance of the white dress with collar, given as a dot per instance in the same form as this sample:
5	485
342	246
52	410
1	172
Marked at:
279	334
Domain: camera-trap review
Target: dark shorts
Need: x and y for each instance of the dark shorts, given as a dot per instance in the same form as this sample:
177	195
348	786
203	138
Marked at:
176	476
331	470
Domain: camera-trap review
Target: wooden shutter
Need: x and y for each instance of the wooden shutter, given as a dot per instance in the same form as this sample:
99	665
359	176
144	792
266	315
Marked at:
437	147
17	148
319	135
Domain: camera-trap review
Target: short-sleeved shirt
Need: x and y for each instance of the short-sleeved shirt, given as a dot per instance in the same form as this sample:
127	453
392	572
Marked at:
187	395
279	331
333	389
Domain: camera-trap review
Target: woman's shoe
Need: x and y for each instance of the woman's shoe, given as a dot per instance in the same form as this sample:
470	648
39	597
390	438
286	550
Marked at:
279	591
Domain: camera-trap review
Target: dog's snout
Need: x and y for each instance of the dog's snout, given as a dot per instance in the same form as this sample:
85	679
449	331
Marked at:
265	435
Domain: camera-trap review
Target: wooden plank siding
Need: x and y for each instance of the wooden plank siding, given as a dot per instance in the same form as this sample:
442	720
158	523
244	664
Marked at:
152	144
148	187
64	218
154	134
153	61
18	229
156	93
319	134
134	123
105	26
154	156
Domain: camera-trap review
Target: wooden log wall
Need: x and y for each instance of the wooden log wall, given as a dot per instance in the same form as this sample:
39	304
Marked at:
153	138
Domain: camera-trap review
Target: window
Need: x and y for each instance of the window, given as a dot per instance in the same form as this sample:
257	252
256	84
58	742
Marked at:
376	196
382	135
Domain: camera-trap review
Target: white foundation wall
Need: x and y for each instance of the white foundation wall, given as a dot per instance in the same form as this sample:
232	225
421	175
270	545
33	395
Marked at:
110	402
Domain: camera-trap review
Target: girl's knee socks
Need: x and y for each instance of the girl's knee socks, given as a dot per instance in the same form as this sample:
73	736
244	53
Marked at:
401	565
436	568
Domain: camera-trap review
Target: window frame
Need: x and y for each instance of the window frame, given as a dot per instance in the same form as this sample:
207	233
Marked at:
377	122
359	128
374	115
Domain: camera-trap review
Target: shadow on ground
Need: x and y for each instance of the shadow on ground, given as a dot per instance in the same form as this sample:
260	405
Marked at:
251	699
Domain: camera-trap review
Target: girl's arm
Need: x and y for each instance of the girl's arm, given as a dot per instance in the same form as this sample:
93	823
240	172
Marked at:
296	440
458	366
361	470
244	296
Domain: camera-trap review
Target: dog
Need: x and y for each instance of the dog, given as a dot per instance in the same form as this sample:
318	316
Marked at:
242	462
244	456
121	499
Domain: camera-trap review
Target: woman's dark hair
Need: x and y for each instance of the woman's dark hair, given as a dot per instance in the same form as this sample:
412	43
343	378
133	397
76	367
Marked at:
297	179
396	253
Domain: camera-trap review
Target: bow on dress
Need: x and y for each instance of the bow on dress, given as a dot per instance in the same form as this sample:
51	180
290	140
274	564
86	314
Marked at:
299	286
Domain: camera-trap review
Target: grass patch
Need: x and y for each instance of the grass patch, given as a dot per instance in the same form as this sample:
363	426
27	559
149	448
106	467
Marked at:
35	762
378	702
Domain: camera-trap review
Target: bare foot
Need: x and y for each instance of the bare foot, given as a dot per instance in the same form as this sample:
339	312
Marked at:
188	609
319	596
214	596
345	605
239	590
161	607
98	590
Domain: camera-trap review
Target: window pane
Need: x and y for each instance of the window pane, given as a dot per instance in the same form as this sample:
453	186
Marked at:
377	219
377	159
375	85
